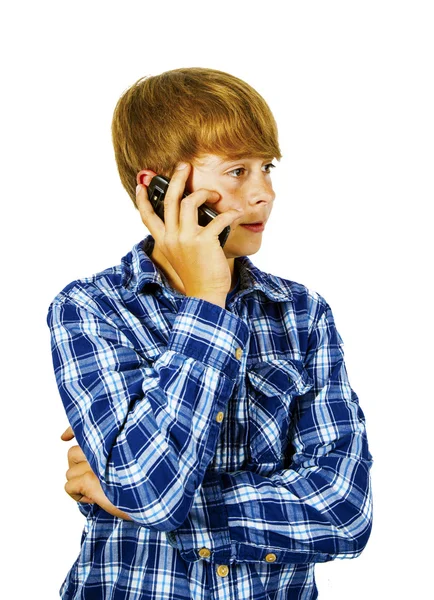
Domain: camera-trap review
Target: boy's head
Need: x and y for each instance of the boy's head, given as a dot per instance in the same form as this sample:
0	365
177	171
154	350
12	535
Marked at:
184	114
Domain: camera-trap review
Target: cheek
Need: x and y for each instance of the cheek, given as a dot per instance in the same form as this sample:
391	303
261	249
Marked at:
231	197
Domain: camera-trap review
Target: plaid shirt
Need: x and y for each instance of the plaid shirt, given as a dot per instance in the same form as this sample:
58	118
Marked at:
231	437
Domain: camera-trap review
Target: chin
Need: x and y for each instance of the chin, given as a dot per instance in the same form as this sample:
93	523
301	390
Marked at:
236	250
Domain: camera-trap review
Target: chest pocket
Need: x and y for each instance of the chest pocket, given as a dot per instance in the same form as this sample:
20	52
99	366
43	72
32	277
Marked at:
273	386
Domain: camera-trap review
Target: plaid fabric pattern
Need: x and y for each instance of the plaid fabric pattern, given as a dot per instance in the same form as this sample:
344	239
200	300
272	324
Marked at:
231	437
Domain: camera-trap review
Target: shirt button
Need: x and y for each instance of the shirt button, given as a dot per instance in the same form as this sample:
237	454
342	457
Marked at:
220	416
222	570
204	553
271	557
238	353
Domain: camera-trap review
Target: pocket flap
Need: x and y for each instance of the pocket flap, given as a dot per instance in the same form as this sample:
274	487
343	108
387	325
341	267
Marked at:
279	376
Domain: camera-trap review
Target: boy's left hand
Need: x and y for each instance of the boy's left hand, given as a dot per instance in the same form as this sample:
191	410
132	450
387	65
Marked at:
82	483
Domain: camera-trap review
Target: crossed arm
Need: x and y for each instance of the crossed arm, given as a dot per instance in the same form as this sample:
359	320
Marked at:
317	509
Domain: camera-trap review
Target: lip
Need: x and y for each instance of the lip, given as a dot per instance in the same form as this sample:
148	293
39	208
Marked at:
256	227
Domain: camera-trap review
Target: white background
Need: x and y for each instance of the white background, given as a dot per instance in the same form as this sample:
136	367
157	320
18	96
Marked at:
351	86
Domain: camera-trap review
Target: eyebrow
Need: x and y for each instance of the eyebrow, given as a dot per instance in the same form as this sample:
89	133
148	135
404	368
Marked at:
244	158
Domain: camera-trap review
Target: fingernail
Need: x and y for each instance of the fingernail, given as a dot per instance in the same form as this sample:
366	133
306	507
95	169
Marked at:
138	188
181	166
239	209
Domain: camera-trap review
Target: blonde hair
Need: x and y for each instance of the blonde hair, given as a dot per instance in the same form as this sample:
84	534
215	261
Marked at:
184	113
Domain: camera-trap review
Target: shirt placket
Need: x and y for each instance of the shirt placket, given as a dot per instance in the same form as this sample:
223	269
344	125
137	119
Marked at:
223	581
232	446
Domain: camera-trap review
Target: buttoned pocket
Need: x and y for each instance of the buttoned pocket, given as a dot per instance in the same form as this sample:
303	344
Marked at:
272	388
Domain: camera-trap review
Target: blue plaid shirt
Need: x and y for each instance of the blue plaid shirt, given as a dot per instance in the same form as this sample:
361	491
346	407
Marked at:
231	437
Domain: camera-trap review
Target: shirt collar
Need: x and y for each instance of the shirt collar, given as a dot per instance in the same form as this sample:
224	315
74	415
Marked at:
138	271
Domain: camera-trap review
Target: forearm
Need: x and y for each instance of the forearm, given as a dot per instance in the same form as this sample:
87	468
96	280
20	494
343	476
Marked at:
149	433
244	517
317	509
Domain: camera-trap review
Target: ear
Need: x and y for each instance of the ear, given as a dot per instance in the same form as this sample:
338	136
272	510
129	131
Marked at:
144	177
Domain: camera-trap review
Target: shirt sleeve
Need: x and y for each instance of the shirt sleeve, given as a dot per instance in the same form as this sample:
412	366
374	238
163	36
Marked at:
317	509
148	430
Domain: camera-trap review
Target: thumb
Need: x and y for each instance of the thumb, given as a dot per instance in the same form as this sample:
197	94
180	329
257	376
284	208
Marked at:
67	435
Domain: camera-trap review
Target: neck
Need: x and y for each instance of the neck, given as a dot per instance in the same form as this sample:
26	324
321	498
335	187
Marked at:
172	276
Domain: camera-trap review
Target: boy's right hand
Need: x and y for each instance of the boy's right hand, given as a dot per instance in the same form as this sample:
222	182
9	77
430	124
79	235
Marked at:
193	251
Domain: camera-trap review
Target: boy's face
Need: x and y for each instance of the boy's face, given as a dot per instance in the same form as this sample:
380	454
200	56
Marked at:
245	184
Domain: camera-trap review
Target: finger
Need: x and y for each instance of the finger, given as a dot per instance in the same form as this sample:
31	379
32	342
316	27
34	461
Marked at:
76	497
149	217
82	485
229	217
77	470
85	500
173	197
87	486
75	456
67	435
189	217
72	488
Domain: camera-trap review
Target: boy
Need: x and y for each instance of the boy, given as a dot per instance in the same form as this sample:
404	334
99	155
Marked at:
222	451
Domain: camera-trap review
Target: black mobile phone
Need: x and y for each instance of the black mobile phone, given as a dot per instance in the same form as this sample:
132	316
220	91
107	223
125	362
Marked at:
157	190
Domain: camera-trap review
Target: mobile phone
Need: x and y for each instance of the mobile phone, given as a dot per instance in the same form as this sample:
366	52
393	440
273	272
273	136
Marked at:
156	192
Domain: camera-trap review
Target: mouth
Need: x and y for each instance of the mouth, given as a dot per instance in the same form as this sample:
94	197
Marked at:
257	227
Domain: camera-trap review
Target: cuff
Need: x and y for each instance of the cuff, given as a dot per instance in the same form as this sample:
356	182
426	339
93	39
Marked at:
205	533
210	533
209	333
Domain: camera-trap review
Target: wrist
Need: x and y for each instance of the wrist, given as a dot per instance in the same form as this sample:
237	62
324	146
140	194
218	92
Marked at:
219	299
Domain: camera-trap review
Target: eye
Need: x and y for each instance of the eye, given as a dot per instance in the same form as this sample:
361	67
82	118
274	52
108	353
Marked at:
269	167
237	172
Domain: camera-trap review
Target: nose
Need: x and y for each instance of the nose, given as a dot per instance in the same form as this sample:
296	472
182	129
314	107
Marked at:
261	190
